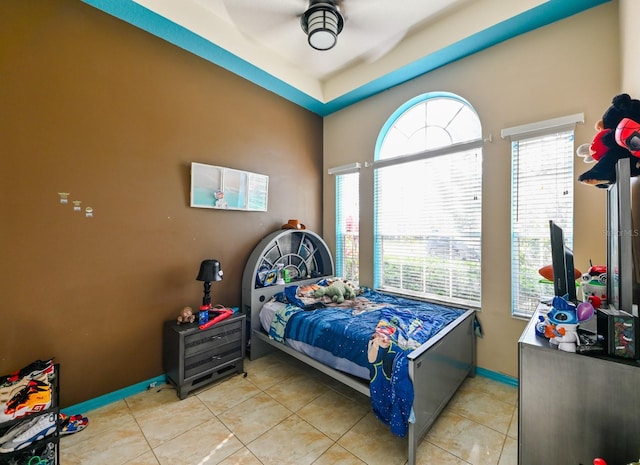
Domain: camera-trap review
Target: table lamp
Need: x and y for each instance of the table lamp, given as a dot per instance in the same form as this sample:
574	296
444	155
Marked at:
209	271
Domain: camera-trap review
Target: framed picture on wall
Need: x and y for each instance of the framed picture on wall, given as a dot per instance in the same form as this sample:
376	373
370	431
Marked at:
228	189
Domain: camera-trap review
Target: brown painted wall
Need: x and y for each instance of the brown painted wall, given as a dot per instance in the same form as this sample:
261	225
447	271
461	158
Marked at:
95	107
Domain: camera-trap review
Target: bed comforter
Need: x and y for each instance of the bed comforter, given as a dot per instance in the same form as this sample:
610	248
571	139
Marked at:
374	330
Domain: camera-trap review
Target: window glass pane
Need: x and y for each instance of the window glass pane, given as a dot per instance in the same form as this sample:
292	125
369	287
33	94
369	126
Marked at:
542	190
430	124
348	225
428	211
428	219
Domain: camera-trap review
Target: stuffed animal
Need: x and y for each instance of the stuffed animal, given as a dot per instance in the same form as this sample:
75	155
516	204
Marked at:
186	315
337	290
604	149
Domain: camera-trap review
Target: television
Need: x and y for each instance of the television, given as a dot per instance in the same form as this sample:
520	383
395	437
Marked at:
564	281
620	239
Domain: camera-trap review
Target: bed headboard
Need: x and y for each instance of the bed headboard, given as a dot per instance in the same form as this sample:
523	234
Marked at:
304	255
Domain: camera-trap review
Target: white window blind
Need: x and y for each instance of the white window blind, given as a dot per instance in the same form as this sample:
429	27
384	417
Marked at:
427	232
348	225
542	190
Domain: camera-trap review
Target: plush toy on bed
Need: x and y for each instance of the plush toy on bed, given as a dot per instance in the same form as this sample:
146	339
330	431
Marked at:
337	290
605	150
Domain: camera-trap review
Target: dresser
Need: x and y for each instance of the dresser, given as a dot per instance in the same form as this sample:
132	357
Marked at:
573	407
193	358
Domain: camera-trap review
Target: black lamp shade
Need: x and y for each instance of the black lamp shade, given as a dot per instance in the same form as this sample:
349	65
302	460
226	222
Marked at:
210	271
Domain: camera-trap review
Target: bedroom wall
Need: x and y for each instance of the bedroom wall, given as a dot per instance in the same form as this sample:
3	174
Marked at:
100	109
557	70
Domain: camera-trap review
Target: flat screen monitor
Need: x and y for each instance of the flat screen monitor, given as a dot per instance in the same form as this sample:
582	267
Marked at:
564	283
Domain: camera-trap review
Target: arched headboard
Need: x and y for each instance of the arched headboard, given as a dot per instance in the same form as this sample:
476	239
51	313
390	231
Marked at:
304	255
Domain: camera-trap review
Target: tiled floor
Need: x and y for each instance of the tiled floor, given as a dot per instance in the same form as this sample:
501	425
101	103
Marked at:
286	413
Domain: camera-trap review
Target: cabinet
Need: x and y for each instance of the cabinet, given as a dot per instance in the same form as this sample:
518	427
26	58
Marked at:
47	448
573	407
193	357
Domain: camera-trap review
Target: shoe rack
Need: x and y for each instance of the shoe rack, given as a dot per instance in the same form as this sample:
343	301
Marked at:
42	451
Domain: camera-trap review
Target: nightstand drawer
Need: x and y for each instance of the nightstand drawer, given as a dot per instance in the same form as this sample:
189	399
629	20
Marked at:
216	336
204	361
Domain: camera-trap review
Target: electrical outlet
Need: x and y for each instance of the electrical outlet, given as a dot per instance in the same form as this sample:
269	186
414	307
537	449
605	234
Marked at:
152	385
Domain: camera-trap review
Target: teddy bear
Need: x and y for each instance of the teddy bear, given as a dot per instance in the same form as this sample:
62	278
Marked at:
604	149
186	315
337	290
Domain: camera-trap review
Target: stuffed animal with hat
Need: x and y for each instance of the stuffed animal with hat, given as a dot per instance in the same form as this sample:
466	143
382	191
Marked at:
605	149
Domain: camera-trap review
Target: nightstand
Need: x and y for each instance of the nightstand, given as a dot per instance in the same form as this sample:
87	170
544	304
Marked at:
193	358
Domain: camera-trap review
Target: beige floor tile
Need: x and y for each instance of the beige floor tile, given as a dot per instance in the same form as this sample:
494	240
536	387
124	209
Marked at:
337	455
101	449
509	454
147	458
471	441
153	398
500	391
253	417
242	457
297	392
209	443
269	370
171	419
513	427
429	454
292	442
482	408
372	442
251	421
334	414
228	394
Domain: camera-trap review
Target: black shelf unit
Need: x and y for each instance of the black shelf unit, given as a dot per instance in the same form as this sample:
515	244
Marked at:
43	447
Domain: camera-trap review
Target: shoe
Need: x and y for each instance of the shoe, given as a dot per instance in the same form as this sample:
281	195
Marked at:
30	371
34	397
72	424
7	392
40	427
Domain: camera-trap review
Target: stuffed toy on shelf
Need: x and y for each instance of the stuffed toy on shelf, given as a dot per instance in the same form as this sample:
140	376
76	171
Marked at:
605	150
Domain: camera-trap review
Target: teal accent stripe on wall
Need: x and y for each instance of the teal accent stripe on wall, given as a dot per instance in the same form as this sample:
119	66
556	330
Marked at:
112	397
139	16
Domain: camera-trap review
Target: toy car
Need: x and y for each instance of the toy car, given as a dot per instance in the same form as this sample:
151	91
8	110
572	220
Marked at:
597	272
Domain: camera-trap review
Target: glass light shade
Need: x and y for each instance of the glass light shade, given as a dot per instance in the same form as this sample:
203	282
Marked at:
322	22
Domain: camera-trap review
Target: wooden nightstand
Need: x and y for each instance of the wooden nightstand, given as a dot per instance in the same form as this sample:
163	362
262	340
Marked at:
192	357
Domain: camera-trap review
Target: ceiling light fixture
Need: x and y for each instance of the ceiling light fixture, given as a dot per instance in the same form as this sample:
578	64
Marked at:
322	22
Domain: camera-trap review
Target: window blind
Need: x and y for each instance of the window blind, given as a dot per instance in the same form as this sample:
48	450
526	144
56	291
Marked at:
348	225
542	190
428	227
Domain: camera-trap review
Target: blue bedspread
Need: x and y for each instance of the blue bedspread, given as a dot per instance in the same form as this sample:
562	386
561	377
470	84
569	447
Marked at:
379	340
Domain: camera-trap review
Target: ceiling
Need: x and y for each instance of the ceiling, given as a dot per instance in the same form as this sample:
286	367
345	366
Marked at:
383	42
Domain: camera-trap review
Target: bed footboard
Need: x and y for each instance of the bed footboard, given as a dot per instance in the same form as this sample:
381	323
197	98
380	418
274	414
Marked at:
437	369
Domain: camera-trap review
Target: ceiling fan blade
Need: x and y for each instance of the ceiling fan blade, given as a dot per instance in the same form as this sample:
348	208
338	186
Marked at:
257	17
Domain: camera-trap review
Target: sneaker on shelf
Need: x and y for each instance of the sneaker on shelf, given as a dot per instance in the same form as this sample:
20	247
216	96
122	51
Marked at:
34	397
7	392
30	371
40	427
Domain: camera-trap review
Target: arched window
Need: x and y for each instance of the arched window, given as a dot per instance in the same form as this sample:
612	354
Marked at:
428	187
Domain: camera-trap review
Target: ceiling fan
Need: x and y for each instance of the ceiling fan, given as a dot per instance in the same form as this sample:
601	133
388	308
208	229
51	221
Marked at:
321	20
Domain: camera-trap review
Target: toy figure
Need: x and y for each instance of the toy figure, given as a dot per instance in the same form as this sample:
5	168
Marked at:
560	325
186	315
605	149
220	201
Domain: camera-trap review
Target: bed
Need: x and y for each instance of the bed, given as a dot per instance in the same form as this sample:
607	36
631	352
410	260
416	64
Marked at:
435	368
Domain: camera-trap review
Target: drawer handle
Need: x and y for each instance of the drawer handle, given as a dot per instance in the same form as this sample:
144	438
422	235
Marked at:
216	357
213	338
